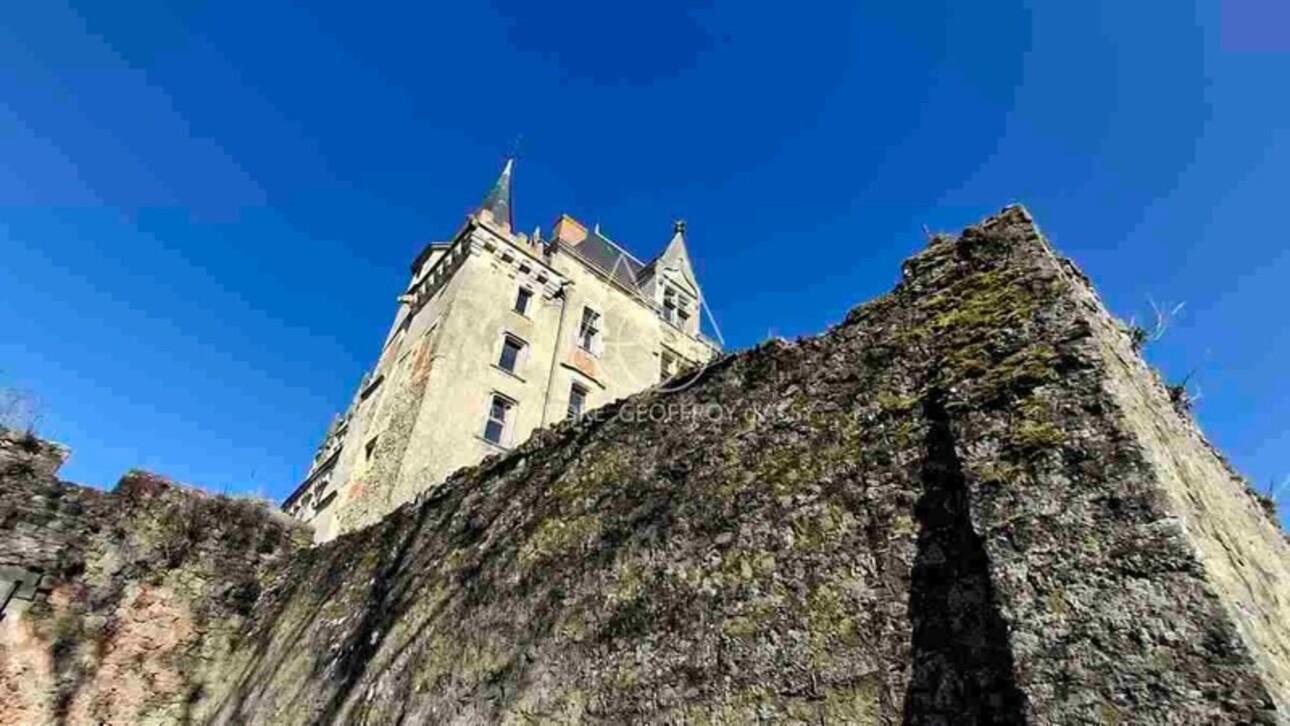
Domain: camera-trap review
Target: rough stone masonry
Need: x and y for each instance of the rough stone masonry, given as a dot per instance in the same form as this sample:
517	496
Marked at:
971	502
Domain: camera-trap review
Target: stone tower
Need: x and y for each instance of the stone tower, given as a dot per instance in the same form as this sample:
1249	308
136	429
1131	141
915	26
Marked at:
497	334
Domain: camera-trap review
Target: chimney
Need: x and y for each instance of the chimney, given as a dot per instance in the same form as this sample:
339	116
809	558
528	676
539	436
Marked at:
569	230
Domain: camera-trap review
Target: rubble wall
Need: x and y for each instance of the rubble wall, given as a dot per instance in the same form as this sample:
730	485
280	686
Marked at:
970	502
121	607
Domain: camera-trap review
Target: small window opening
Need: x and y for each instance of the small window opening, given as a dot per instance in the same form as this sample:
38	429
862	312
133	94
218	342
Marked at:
589	331
510	357
577	400
499	412
522	299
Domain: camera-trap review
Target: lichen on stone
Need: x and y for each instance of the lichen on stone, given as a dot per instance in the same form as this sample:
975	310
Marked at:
967	503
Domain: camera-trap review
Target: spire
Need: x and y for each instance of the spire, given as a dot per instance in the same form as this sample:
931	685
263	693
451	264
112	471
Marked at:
673	274
677	245
676	256
498	201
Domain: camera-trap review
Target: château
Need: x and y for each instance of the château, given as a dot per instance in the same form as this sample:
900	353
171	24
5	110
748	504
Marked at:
497	334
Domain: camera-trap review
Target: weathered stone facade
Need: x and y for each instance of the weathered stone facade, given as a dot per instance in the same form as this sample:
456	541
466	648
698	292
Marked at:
423	411
127	603
971	502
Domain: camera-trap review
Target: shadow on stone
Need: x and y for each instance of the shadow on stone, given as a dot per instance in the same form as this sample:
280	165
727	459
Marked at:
962	664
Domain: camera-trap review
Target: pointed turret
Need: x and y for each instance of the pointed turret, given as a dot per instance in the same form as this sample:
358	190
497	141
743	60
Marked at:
670	282
498	201
675	256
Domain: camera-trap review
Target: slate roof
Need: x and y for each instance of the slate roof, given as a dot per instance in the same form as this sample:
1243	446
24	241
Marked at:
498	200
609	258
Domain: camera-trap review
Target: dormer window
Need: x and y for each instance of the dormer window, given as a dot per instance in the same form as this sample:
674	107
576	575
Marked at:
676	306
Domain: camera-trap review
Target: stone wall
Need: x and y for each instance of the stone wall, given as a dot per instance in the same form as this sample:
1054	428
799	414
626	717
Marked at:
127	602
971	502
42	521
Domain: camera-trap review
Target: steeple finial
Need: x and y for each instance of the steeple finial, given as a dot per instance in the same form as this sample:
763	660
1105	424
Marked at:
675	253
498	201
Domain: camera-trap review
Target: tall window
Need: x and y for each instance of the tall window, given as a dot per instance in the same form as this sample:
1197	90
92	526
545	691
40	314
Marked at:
589	331
522	298
499	413
577	400
512	348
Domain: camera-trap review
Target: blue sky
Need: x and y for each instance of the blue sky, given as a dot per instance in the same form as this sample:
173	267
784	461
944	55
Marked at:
207	209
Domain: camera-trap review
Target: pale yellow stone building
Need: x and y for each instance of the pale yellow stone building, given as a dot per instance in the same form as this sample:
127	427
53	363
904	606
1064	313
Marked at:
498	334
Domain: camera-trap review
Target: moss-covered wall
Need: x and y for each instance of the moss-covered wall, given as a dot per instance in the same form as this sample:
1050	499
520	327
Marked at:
937	512
970	502
140	596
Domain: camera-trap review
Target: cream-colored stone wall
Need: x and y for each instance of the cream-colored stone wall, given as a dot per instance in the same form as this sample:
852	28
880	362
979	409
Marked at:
386	415
422	412
1242	547
449	427
635	337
